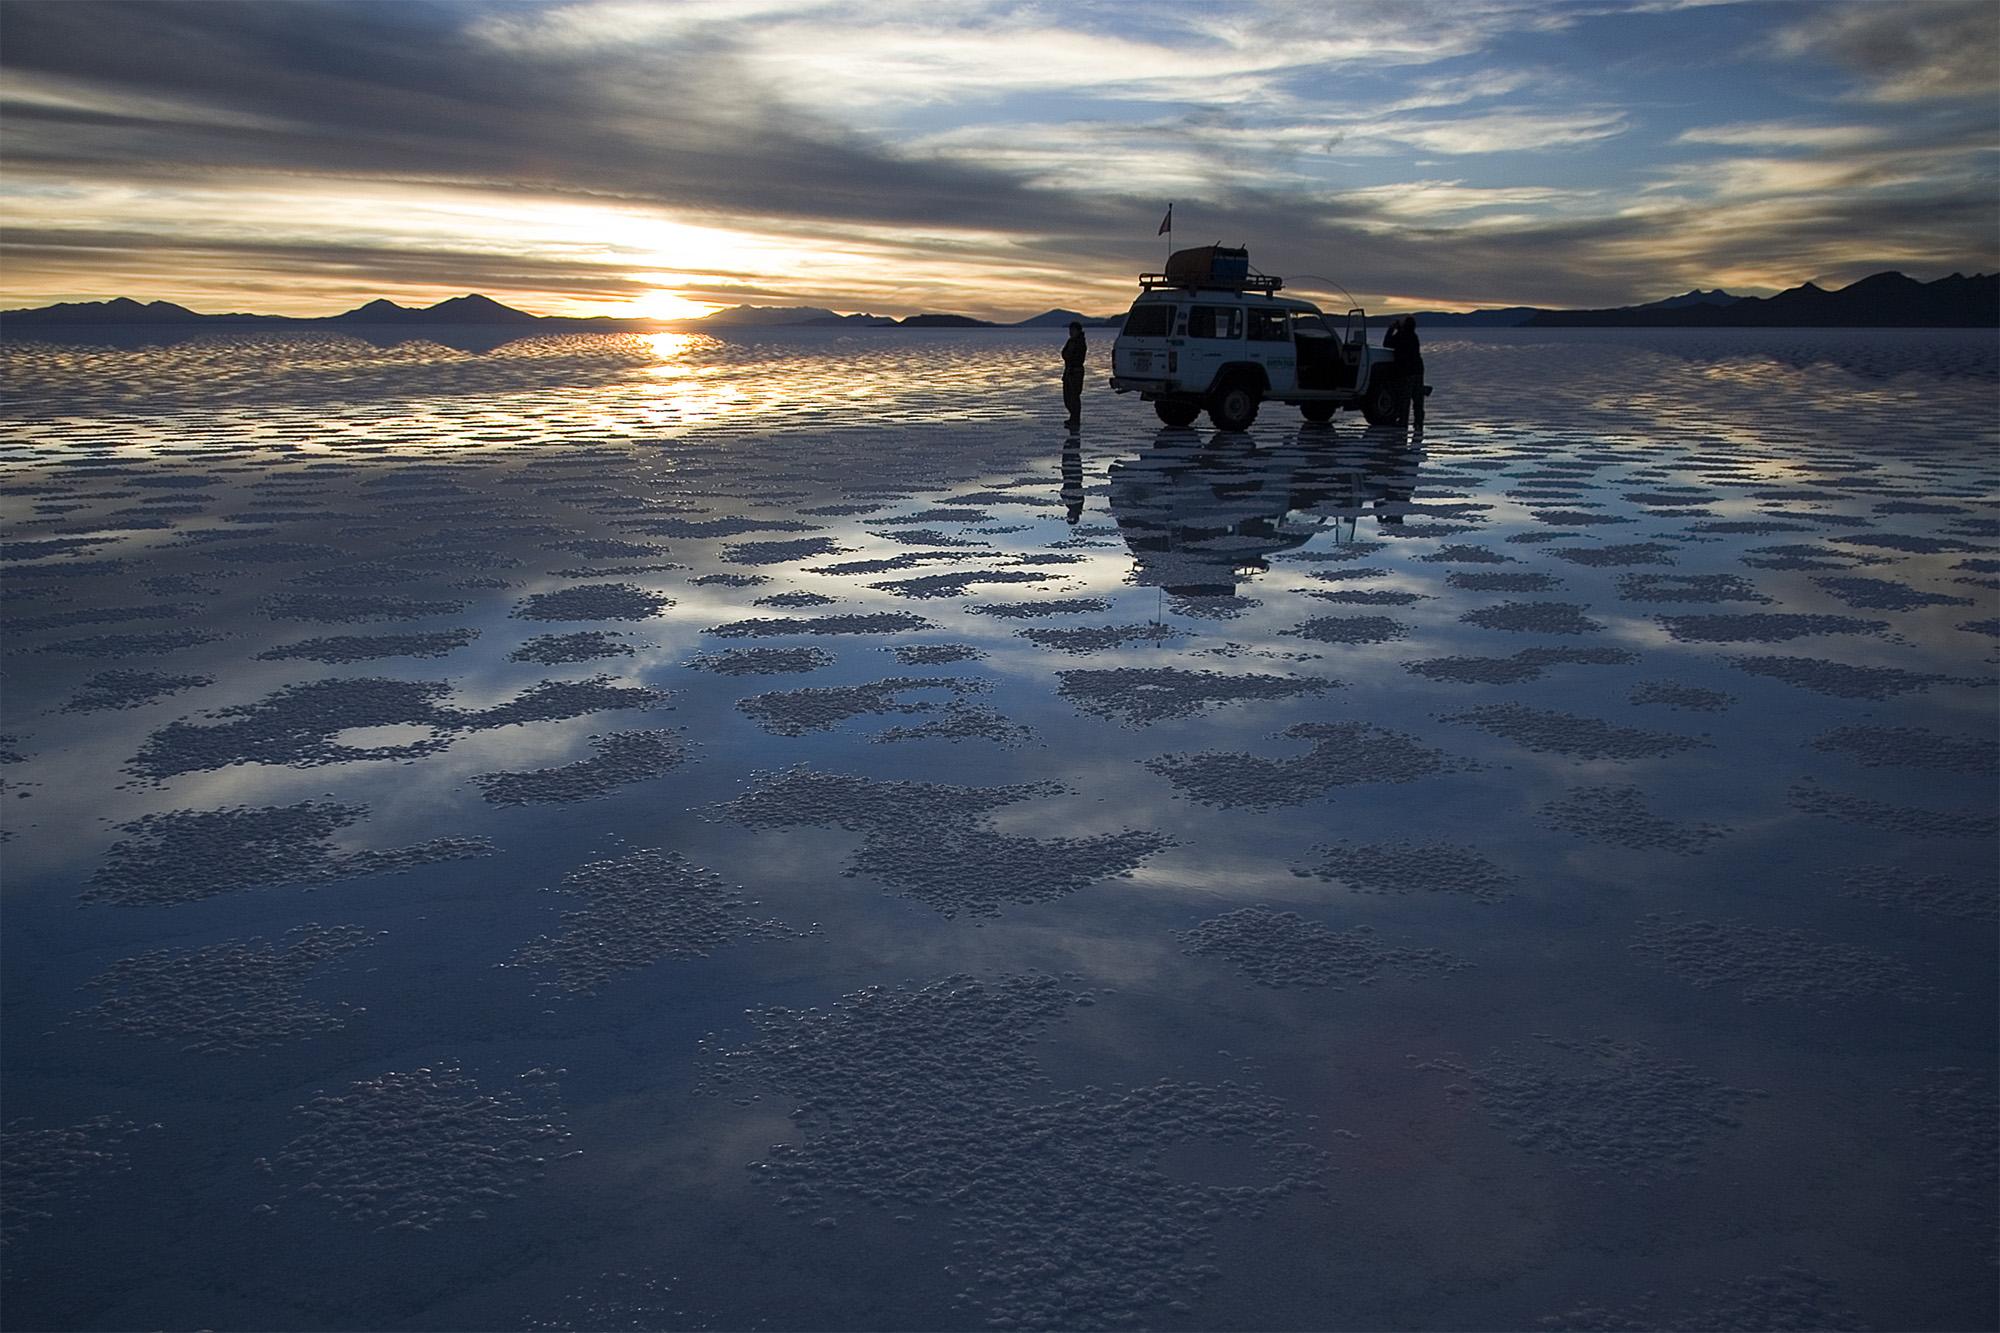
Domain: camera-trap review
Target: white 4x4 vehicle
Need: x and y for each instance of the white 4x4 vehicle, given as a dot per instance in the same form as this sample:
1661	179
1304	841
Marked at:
1208	334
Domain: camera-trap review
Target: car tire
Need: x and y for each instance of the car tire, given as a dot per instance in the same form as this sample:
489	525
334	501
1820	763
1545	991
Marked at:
1317	413
1378	405
1176	412
1234	406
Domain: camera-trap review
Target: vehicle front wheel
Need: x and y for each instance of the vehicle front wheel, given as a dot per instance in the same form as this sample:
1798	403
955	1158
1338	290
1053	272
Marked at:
1234	406
1176	411
1317	413
1379	404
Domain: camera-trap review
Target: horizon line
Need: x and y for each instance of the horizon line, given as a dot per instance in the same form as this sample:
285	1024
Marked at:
656	320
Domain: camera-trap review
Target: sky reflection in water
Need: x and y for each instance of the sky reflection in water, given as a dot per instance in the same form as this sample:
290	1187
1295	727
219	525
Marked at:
1313	879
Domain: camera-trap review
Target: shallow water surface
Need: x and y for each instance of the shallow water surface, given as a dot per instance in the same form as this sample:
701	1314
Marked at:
671	832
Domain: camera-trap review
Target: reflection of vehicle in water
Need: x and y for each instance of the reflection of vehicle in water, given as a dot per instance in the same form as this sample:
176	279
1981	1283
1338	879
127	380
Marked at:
1210	334
1203	514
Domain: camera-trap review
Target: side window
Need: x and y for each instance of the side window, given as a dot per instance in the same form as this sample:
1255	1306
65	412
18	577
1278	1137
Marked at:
1215	321
1268	326
1312	326
1155	319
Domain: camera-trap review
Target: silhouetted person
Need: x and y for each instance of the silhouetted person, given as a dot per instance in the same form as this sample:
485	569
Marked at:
1411	355
1072	354
1402	340
1072	479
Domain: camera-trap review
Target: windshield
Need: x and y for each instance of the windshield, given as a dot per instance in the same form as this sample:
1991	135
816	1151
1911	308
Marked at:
1150	319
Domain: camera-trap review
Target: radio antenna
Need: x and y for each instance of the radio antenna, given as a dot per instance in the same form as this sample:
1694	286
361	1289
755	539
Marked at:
1317	277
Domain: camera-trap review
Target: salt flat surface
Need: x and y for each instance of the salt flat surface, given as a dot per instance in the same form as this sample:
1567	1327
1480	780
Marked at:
657	832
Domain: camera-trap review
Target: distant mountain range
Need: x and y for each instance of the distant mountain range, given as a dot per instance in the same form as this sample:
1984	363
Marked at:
1885	300
458	312
486	313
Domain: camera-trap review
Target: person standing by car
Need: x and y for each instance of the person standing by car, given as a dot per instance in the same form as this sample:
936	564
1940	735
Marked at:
1392	338
1410	361
1072	376
1406	368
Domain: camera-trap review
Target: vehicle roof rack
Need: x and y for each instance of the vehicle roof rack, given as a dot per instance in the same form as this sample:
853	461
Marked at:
1256	282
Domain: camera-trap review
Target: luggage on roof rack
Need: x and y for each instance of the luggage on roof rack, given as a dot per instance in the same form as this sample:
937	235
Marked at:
1209	266
1218	266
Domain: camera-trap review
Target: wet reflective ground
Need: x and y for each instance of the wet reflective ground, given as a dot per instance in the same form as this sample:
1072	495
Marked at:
654	832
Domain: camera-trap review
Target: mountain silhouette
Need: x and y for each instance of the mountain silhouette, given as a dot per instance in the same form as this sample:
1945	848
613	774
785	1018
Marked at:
473	309
1882	300
944	322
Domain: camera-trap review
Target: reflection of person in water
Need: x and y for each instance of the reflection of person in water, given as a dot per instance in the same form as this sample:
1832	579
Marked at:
1072	479
1393	497
1072	379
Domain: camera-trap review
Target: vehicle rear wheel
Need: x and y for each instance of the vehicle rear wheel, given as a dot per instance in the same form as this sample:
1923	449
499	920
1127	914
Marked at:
1317	413
1379	403
1176	411
1234	405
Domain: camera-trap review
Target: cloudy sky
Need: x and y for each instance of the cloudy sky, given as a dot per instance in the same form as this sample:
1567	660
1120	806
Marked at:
989	158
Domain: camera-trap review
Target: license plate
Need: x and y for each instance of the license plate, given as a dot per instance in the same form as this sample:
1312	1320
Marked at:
1142	360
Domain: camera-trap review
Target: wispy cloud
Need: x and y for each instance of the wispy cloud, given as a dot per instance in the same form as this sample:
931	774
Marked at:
1785	134
1917	50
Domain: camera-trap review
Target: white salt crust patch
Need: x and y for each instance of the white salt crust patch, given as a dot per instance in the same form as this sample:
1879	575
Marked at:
1534	618
1034	1180
1691	698
639	909
296	725
1280	949
1911	747
932	843
130	689
1813	799
370	647
1343	753
618	760
1619	816
185	855
1926	893
1099	638
583	646
1842	680
1582	738
52	1171
239	995
1141	695
879	622
416	1149
1764	963
1602	1107
1404	867
600	601
1763	627
817	708
963	722
1528	664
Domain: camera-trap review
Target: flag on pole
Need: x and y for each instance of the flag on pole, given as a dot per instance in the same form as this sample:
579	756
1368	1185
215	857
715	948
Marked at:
1167	222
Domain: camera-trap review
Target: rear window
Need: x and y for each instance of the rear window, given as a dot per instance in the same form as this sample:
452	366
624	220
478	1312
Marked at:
1215	321
1155	319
